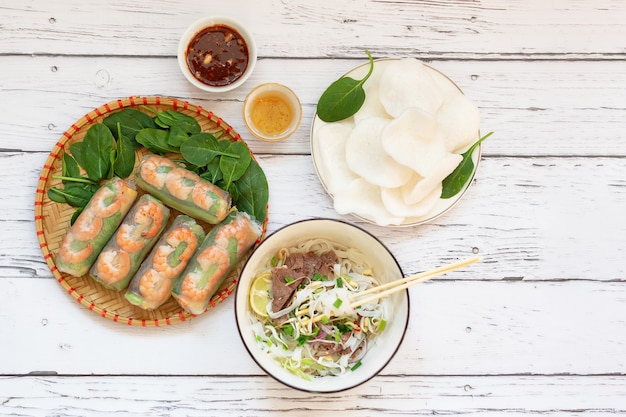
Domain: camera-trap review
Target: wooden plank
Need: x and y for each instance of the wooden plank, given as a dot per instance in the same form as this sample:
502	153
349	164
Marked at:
456	328
531	218
261	396
535	108
493	29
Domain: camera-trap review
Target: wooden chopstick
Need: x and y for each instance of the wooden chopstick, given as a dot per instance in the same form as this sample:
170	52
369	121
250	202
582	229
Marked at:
401	284
419	278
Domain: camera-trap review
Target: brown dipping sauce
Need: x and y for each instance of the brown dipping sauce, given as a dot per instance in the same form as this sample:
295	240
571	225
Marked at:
217	55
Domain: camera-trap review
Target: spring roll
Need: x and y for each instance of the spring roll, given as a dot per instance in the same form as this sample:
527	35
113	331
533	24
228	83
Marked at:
94	227
152	284
131	243
220	251
182	189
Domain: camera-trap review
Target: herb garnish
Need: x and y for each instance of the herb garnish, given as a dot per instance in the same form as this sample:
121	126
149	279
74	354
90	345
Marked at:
344	97
454	182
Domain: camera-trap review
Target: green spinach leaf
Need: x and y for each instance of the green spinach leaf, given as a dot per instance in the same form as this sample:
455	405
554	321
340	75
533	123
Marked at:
457	179
170	118
131	121
77	152
69	168
344	97
253	192
233	168
155	140
124	161
201	148
75	194
177	136
97	147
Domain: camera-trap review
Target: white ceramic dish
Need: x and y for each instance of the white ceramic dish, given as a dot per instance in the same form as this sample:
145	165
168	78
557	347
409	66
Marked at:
201	24
324	175
385	266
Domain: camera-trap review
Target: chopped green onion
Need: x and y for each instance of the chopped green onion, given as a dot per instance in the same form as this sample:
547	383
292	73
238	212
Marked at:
343	328
382	325
319	277
338	302
337	335
339	283
288	329
258	338
324	319
288	279
274	261
355	366
315	332
308	362
302	340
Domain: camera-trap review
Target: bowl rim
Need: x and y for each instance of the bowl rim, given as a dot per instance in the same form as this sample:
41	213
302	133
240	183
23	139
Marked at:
205	22
360	381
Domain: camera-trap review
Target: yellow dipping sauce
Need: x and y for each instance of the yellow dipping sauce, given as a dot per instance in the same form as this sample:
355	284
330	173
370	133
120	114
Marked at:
271	113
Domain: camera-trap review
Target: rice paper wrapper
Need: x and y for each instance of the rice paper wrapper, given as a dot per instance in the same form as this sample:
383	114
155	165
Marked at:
94	226
131	243
221	250
182	189
152	284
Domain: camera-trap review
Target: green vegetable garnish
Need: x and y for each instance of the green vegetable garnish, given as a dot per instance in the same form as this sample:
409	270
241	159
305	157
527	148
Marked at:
454	182
338	302
355	366
344	97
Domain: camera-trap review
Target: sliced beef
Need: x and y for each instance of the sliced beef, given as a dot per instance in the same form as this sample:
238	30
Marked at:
282	291
309	263
328	260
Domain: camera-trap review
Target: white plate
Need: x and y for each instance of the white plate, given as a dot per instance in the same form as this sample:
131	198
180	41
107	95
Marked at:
443	205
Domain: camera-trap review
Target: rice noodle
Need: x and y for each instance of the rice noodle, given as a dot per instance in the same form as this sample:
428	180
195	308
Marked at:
338	342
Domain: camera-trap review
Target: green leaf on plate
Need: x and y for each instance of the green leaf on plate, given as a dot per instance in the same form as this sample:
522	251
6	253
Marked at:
344	97
457	179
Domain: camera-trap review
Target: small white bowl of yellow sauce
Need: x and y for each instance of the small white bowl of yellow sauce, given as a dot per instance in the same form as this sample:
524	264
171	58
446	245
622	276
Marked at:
272	112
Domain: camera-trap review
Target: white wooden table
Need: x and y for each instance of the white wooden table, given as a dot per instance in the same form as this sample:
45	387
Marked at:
539	327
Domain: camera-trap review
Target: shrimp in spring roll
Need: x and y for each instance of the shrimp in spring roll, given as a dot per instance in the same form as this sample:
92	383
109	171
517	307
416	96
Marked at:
220	251
94	226
124	252
152	284
182	189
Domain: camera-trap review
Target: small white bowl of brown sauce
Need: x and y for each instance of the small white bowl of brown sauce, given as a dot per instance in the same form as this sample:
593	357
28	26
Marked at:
272	112
217	54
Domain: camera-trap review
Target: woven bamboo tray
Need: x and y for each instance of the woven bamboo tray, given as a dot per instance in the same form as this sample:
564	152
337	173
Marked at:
52	220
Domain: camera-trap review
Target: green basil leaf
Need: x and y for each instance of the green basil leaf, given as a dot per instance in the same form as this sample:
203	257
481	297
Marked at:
343	98
233	168
253	192
97	146
155	140
131	122
457	179
124	162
